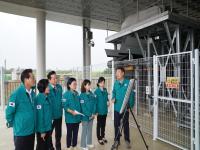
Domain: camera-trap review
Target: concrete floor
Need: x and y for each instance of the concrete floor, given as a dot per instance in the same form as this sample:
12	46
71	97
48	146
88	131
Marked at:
6	138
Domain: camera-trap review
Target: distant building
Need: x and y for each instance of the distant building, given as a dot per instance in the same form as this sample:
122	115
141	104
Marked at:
16	74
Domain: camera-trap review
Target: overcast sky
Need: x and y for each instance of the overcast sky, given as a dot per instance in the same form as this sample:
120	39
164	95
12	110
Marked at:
63	43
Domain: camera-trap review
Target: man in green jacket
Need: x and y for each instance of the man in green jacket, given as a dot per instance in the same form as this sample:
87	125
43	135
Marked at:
118	94
55	96
20	112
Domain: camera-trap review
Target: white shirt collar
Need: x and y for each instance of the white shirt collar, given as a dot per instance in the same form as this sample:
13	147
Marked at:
29	91
53	86
101	88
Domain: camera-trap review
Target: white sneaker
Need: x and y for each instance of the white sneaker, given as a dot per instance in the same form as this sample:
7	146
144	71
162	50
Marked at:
83	148
90	146
68	148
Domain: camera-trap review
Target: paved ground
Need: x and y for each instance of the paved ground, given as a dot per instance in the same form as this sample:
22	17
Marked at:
6	138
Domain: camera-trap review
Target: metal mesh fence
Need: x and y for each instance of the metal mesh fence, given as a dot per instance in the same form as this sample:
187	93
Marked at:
94	73
174	99
142	71
174	103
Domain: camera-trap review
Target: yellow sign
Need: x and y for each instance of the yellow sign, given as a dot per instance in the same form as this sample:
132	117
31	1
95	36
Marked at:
129	68
172	82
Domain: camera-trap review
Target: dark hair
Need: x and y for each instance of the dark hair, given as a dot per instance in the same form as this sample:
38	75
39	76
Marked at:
84	83
69	82
49	74
121	68
26	74
101	79
42	85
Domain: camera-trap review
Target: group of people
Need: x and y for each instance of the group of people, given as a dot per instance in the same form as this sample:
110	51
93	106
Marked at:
41	114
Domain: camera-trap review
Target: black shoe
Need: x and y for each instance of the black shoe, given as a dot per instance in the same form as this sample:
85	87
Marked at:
115	145
101	142
128	145
104	140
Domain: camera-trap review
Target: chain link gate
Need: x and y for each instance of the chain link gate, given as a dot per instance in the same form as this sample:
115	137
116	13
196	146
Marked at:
173	99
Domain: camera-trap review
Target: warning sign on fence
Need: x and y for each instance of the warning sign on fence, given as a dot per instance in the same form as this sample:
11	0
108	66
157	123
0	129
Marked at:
172	82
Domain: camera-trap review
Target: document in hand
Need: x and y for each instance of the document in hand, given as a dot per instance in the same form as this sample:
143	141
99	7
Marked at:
78	113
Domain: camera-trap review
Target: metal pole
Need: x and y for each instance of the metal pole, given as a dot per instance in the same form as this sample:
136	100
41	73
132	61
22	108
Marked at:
148	72
90	69
2	89
140	44
136	89
177	71
192	100
196	99
113	81
155	118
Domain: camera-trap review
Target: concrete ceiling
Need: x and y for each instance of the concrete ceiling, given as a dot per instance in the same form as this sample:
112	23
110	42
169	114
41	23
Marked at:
103	14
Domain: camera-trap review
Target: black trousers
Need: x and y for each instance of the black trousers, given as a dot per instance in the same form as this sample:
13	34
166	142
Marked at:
72	134
57	125
117	119
24	142
101	124
43	144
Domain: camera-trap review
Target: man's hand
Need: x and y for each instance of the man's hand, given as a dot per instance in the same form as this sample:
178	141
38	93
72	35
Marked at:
43	136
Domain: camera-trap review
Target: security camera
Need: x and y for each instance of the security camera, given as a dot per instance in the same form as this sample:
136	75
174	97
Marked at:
91	43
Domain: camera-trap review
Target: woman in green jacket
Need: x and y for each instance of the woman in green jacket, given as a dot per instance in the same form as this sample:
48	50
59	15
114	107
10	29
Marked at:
102	109
71	105
43	116
88	106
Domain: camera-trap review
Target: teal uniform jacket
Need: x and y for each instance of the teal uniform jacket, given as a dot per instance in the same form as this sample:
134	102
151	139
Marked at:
71	101
88	105
43	113
55	96
20	112
119	92
102	99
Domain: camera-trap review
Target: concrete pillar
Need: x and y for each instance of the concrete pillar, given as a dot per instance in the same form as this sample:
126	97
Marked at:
86	50
41	45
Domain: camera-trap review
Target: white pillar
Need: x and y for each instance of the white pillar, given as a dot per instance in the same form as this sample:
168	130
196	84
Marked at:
41	45
155	113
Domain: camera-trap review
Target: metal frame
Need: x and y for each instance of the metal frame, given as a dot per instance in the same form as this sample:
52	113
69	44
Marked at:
192	97
194	138
196	142
113	81
155	116
165	16
2	89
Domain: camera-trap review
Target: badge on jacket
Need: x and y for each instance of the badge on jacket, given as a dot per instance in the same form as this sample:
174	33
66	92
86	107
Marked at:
11	104
39	106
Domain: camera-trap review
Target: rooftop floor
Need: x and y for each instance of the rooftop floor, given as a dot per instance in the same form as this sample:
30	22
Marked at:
6	138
